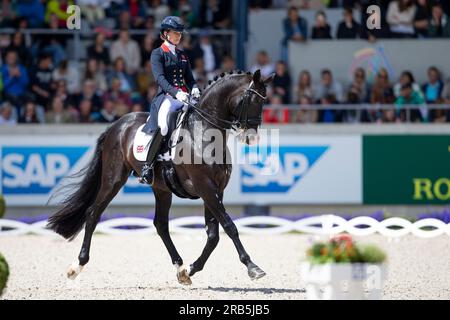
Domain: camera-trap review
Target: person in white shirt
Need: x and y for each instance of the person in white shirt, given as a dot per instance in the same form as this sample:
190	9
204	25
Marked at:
128	49
400	16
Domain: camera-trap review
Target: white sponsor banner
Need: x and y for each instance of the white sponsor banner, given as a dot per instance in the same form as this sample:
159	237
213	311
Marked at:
301	170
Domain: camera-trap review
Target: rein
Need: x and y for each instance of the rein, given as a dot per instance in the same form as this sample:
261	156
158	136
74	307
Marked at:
242	121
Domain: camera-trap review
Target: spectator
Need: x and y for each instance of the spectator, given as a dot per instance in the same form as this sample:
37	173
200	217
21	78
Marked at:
8	114
61	91
41	80
92	10
137	107
115	93
263	64
439	24
124	22
423	13
119	72
276	115
400	16
18	45
329	115
359	86
432	90
54	43
381	93
29	113
158	10
321	29
94	73
295	29
145	78
348	28
200	75
58	8
7	14
99	51
69	74
88	92
228	64
444	115
282	82
147	48
128	49
304	115
408	97
328	87
304	86
137	13
215	13
31	10
58	114
15	79
107	114
85	114
405	78
206	50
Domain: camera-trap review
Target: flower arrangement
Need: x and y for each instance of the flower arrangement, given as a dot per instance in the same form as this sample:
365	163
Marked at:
342	249
2	206
4	273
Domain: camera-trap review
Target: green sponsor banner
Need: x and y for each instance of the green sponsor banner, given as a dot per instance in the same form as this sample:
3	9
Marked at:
406	169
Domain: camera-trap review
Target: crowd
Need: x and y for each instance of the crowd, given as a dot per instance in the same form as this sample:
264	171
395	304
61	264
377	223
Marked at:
40	84
371	99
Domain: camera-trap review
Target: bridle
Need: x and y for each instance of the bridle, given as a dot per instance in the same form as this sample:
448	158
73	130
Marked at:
241	120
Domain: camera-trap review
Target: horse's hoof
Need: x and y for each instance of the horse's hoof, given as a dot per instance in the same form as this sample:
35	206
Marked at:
183	277
255	272
73	271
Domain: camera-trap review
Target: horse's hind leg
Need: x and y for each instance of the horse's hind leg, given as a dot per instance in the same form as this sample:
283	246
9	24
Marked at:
161	222
212	230
112	180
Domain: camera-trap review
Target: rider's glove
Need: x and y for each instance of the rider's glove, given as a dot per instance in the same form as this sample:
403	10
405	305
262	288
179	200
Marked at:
196	93
182	96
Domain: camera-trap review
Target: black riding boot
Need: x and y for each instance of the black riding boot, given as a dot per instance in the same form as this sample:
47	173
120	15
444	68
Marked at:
147	174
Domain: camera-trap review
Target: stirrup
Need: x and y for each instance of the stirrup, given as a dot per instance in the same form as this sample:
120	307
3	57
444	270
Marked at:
147	176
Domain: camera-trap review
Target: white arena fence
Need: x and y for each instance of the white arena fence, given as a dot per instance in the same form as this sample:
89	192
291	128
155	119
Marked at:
257	225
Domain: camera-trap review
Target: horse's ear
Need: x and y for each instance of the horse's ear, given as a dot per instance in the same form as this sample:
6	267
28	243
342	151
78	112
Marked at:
257	76
269	79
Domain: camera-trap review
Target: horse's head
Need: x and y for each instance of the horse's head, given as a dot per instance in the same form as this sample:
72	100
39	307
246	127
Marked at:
247	107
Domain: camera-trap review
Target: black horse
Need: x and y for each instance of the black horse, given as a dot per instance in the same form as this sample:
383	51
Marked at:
234	99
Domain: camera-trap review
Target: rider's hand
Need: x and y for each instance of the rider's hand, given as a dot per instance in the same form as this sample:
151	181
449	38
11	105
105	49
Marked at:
196	93
182	96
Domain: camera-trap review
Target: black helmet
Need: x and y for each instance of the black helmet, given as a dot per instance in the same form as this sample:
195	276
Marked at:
172	23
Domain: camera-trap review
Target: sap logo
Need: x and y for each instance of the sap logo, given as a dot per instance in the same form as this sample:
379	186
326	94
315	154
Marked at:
279	169
36	170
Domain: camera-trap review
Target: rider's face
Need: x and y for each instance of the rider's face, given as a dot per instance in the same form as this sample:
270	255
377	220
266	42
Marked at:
174	36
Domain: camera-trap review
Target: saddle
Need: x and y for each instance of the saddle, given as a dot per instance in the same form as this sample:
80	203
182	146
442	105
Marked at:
144	137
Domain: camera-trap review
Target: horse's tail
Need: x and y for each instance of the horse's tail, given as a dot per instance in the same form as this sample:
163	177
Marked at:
69	219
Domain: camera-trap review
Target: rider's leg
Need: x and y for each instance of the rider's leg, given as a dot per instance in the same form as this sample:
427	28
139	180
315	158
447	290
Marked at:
168	105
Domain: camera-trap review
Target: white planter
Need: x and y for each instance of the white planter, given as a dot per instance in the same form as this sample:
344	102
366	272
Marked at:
339	281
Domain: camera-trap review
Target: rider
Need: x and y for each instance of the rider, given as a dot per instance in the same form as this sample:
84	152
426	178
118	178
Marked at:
172	72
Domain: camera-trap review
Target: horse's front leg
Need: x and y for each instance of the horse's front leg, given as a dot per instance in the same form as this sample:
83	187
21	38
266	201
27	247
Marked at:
212	230
213	201
161	222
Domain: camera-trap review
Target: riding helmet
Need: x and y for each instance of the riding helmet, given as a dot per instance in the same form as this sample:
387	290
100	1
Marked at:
172	23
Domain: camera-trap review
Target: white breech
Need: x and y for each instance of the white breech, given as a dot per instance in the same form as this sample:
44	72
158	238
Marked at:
169	105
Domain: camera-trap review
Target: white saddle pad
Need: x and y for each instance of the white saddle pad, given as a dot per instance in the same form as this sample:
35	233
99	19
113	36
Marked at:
141	143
